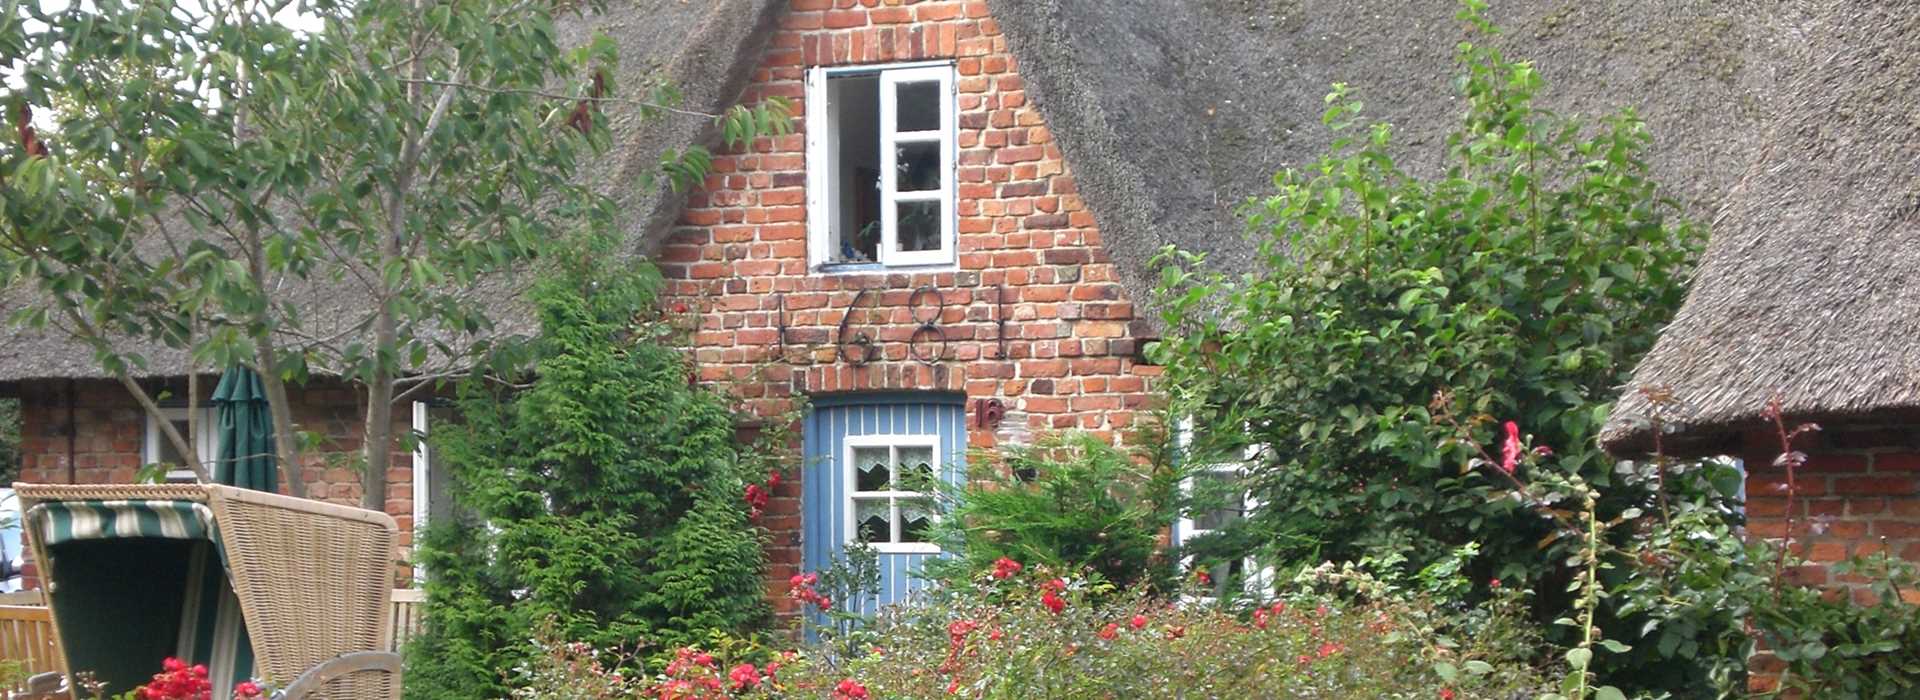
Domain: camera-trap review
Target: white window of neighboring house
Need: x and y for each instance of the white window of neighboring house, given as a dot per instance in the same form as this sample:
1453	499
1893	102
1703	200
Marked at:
880	167
157	449
1218	480
887	504
431	498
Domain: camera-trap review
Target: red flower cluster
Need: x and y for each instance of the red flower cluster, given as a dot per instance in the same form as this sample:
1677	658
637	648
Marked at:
1510	450
690	675
1138	621
1109	631
1203	577
1050	595
1005	568
756	499
178	682
849	689
960	629
801	589
744	676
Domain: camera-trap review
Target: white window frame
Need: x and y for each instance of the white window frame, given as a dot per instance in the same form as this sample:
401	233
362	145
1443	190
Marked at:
206	440
821	167
1259	580
850	475
422	464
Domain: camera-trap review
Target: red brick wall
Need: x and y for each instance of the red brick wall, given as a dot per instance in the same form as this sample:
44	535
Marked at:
109	428
1028	251
1858	494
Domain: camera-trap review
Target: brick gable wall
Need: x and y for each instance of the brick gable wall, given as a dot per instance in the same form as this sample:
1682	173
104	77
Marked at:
1028	252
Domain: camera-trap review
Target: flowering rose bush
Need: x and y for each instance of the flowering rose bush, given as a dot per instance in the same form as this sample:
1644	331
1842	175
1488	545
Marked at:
1338	634
1028	632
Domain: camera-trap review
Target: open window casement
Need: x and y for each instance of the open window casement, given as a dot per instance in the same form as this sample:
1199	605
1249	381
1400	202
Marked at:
880	167
1220	478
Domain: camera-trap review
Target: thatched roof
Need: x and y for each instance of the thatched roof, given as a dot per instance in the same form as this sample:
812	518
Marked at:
1172	112
1810	288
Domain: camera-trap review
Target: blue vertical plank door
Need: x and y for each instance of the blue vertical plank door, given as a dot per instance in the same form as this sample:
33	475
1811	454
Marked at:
824	501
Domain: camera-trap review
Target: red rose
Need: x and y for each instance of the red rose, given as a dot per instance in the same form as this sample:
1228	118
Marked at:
1004	568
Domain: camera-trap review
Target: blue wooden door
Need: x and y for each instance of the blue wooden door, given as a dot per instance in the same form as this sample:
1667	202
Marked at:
868	459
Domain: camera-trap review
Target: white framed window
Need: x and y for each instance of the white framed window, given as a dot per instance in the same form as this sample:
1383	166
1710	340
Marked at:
887	504
880	167
157	449
1220	479
432	497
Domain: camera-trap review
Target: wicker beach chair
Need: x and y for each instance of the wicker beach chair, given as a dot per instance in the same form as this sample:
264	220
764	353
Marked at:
255	585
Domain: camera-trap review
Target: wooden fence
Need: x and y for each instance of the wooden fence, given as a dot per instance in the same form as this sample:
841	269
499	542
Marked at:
409	607
26	636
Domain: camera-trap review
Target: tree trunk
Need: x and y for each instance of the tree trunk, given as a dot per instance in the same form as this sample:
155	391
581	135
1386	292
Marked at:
378	448
286	443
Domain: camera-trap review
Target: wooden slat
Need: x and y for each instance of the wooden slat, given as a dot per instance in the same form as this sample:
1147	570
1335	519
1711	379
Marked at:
26	634
409	607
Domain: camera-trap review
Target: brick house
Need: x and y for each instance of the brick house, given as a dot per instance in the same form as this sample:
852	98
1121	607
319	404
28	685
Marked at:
1806	296
953	248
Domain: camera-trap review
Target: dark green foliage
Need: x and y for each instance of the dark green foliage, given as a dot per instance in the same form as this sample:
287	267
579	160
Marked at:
9	440
1528	277
605	498
1069	502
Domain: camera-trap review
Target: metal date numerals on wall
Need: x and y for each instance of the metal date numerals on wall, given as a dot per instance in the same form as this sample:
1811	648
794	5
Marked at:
927	343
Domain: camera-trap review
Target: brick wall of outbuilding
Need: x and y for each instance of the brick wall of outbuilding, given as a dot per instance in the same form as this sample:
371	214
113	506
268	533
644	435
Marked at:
1858	494
1028	252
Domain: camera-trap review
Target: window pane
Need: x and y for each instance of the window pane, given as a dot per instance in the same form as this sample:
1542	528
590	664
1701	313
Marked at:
871	519
1218	498
916	520
916	469
169	455
872	471
919	226
919	107
917	166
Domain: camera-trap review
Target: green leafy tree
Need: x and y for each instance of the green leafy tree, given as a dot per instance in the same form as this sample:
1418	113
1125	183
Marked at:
1527	278
603	503
343	198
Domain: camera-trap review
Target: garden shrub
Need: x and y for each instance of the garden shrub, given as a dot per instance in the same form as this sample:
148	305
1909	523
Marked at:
1069	501
603	500
1533	271
1338	634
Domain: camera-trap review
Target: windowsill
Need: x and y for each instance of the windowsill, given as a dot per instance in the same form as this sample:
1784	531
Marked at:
853	269
904	547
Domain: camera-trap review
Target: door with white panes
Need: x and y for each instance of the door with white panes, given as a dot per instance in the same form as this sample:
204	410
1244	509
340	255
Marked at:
872	465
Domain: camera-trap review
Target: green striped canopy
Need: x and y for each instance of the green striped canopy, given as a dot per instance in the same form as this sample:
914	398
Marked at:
65	521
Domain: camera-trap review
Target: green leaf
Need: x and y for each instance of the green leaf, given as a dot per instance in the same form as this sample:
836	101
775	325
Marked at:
1579	657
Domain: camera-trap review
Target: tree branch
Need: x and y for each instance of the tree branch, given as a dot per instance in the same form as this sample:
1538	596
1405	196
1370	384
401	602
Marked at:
558	96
